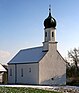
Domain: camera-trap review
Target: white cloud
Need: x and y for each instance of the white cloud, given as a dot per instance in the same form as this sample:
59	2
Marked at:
4	56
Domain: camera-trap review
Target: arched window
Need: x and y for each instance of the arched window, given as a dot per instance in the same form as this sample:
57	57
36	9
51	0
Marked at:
52	34
29	69
45	34
10	72
21	72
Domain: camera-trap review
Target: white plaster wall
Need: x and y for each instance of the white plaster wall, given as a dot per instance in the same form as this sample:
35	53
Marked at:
11	79
45	46
52	66
28	77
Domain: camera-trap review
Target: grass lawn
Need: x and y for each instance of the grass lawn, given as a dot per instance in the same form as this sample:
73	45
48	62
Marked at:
23	90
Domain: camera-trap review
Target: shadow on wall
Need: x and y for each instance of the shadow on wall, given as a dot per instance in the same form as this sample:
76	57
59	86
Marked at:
57	80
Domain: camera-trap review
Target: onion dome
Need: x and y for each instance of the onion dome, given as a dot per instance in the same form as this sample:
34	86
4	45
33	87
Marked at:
49	21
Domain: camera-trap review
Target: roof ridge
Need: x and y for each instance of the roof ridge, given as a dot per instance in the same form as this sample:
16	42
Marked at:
31	48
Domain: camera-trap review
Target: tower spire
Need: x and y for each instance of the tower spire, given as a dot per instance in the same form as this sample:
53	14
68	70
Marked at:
50	21
49	10
50	32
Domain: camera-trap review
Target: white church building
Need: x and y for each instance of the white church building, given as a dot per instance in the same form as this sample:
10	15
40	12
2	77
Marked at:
41	65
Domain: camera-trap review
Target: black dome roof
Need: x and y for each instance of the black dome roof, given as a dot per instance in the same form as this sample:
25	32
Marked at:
50	21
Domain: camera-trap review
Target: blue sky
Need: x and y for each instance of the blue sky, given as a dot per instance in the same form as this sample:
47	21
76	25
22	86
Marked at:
21	25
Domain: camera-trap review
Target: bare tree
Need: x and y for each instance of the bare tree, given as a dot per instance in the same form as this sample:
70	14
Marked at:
74	55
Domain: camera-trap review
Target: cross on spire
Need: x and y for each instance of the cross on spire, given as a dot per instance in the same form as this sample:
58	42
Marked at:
49	10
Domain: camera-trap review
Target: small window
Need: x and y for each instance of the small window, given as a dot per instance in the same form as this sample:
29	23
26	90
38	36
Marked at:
22	72
45	34
29	69
10	72
52	78
52	34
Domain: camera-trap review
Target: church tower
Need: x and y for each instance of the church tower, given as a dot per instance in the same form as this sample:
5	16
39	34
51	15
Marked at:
49	33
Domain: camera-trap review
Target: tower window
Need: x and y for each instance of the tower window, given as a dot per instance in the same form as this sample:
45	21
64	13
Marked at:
45	34
22	72
10	72
52	34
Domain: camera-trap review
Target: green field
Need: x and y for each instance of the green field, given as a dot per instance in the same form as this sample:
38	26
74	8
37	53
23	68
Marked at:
23	90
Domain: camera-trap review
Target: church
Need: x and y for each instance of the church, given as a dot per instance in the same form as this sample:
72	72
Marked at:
41	65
